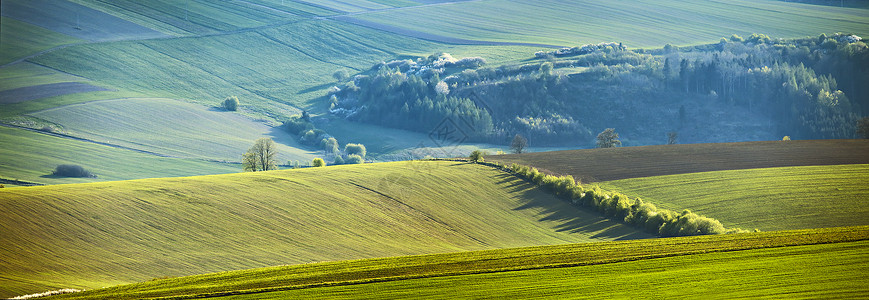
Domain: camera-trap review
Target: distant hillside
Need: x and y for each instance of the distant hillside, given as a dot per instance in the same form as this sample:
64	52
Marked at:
99	234
632	162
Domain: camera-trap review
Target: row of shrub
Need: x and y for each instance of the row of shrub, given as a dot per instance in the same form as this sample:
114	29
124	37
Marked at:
635	212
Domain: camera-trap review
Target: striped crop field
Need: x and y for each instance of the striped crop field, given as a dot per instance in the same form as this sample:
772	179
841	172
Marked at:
767	199
803	263
31	157
637	23
291	68
19	39
172	128
108	233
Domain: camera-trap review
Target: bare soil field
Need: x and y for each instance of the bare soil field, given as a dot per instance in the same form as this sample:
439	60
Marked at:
591	165
75	20
27	93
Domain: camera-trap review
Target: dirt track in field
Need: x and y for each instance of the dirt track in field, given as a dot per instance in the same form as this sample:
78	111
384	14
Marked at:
632	162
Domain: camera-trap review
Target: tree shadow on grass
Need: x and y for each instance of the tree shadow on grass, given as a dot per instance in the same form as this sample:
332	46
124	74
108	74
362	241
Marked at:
566	216
316	88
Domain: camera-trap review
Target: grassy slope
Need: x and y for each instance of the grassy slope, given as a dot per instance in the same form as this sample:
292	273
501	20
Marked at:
31	156
192	17
293	63
27	74
172	128
767	199
98	234
637	23
19	39
679	266
633	162
803	271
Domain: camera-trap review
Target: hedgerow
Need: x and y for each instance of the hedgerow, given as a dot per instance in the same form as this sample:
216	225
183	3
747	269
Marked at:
631	211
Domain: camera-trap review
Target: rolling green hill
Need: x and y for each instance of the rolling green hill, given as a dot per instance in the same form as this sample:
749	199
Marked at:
20	39
98	234
292	66
636	23
767	199
31	157
808	263
171	127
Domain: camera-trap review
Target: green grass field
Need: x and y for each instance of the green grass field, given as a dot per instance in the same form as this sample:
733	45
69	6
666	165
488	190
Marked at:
171	127
804	271
193	17
767	199
820	262
27	74
292	67
636	23
100	234
19	39
31	156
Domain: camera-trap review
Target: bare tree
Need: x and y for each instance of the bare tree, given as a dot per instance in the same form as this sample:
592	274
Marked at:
519	143
261	156
863	128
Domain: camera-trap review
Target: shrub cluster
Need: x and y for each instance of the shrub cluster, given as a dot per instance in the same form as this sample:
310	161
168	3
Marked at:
72	171
581	50
635	212
230	103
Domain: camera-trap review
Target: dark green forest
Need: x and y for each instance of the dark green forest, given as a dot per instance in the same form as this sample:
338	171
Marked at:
739	89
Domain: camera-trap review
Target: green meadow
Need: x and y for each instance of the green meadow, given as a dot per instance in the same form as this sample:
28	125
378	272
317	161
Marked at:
101	234
803	262
171	215
635	23
291	69
766	199
171	127
20	39
33	156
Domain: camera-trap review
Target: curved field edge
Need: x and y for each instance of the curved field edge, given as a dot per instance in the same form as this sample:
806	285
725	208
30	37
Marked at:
811	271
606	164
767	199
465	263
108	233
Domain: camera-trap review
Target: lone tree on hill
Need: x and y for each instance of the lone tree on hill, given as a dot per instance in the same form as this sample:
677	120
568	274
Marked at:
519	143
230	103
476	156
863	128
261	156
671	137
608	139
318	162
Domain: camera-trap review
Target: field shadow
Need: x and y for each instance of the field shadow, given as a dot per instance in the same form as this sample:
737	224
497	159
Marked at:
565	216
315	88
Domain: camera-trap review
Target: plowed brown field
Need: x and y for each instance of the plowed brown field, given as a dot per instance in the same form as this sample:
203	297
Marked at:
590	165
